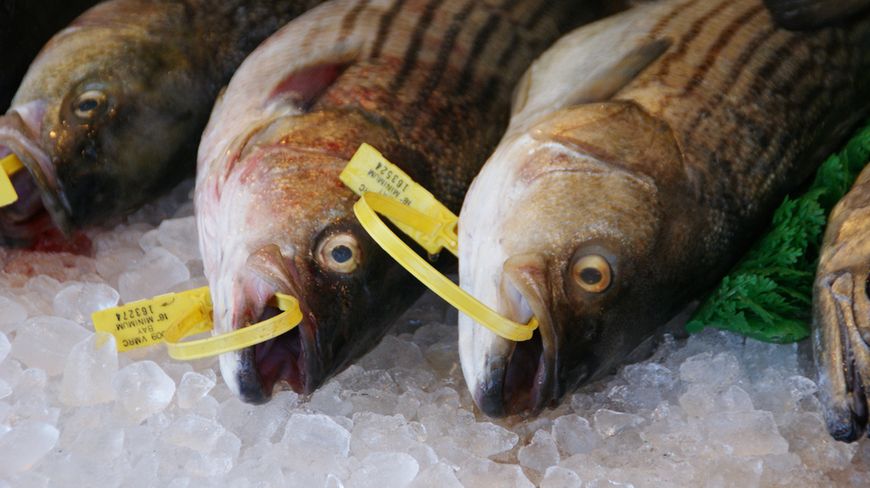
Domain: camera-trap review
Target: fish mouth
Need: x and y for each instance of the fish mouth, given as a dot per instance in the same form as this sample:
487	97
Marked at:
288	361
841	343
519	377
41	201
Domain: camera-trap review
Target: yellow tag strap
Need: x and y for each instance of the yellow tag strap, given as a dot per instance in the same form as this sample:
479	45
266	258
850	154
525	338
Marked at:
290	317
9	165
365	210
370	171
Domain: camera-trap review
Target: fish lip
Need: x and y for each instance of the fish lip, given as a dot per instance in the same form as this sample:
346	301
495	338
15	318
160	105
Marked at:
509	388
14	136
842	355
255	380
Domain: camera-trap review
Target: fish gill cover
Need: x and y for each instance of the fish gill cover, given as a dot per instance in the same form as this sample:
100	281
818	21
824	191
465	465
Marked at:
768	295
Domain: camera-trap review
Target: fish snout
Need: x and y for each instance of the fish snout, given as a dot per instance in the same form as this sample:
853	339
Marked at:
507	377
841	343
282	362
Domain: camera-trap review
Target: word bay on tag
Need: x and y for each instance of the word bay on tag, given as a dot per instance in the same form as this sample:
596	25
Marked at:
143	322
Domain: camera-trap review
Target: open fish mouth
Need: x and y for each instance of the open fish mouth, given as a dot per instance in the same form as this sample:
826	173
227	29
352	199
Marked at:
523	380
40	200
842	349
288	361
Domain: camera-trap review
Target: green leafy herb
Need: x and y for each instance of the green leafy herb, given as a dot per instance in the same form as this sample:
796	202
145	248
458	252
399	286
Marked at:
768	295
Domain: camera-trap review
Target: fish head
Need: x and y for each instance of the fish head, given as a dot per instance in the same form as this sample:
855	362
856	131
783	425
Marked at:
285	224
570	234
98	113
841	315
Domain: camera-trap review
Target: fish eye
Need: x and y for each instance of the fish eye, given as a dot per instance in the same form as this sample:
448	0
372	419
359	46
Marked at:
592	273
339	253
89	103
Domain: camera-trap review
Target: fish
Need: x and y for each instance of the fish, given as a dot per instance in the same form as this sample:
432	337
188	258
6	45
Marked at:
427	83
841	314
645	154
110	112
25	25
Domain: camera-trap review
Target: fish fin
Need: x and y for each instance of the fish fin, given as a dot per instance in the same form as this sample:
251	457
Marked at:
608	81
590	64
812	14
304	86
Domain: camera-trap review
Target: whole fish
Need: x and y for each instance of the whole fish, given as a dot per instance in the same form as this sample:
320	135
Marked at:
110	112
25	25
645	153
427	82
841	314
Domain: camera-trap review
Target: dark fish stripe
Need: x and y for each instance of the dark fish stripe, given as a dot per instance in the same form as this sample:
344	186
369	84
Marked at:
477	47
752	48
348	23
384	27
665	21
436	72
414	47
688	39
715	50
538	14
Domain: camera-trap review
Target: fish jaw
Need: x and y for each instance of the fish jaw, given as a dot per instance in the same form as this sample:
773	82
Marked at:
20	131
507	377
841	342
247	297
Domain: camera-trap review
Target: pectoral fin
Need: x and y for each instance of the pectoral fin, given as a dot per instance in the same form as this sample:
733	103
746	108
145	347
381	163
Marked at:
812	14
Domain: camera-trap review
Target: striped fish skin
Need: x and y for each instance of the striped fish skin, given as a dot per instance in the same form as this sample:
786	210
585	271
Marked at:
427	82
630	182
109	114
841	314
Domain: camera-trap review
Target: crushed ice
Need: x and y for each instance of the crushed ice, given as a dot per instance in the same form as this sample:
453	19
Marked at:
713	410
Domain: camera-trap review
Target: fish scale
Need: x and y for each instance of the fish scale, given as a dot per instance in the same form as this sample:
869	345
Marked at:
645	153
428	83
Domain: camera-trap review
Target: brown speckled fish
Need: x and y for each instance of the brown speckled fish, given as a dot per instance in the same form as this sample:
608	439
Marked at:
110	112
841	314
645	153
427	82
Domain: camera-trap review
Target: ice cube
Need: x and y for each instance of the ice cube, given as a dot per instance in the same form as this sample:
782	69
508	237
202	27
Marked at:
5	346
713	371
77	301
328	399
179	237
194	432
393	352
745	433
155	275
540	453
485	473
557	477
44	342
574	435
143	389
382	469
13	313
609	423
437	476
317	432
90	367
27	443
194	386
485	439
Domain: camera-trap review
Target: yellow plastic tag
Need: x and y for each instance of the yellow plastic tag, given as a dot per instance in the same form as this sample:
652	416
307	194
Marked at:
369	171
8	167
144	322
172	317
288	319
